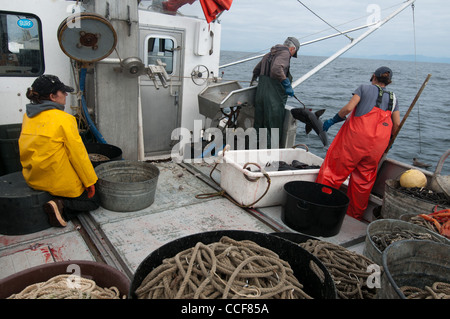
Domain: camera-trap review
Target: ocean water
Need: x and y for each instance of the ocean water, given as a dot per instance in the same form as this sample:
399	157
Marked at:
425	133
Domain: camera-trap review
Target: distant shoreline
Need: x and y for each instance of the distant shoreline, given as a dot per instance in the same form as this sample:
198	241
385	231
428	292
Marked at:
408	58
394	57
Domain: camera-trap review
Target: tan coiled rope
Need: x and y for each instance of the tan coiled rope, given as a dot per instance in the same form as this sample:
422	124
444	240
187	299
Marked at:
383	240
439	290
348	269
67	287
226	269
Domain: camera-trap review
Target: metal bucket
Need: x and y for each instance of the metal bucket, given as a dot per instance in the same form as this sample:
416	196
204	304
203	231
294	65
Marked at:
386	226
416	263
298	258
427	225
397	203
125	186
314	209
104	276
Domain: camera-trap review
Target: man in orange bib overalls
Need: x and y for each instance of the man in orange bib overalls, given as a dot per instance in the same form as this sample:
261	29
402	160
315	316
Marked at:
362	140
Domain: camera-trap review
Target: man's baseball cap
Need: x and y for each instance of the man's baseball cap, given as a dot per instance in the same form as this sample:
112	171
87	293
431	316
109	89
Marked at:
382	70
296	43
49	84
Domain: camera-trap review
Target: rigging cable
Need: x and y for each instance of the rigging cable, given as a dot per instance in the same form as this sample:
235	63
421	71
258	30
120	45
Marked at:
415	64
260	53
351	39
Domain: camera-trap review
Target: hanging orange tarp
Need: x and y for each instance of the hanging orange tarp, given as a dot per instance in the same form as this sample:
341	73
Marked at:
173	5
211	8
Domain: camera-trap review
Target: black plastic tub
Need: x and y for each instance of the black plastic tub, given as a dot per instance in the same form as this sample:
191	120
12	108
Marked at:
9	148
113	153
299	259
314	209
21	207
296	238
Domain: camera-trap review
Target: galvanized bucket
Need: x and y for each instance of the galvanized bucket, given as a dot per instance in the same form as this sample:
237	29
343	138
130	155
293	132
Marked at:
385	226
397	203
415	263
125	186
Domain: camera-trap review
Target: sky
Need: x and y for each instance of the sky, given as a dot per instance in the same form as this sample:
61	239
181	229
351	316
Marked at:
256	25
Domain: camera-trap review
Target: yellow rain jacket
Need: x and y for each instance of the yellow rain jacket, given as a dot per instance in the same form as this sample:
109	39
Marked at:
53	156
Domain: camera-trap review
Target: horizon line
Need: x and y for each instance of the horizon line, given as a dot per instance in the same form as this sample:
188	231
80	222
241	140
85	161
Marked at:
392	57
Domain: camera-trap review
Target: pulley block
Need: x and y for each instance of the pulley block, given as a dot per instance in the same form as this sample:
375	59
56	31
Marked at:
87	37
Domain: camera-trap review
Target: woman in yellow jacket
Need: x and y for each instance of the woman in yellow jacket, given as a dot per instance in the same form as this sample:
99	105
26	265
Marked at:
53	156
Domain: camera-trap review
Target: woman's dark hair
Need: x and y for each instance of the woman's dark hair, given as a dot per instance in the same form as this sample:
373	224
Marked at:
384	78
35	97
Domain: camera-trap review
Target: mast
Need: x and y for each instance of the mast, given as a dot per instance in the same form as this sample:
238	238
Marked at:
372	28
301	44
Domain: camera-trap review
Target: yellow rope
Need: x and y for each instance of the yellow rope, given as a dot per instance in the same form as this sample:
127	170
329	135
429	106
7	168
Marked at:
67	287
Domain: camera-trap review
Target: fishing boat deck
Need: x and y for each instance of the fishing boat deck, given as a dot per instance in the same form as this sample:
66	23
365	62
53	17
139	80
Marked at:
124	240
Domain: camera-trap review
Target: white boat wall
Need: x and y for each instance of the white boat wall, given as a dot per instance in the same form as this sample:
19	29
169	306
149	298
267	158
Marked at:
13	88
191	54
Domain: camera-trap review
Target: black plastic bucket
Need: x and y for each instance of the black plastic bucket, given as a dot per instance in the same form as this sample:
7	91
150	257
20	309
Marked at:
21	207
298	258
113	153
296	238
314	209
9	148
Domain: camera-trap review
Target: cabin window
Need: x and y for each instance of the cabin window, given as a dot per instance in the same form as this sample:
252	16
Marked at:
163	49
21	45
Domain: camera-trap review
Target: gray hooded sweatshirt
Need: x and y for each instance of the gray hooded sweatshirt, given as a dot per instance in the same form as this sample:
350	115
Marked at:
35	109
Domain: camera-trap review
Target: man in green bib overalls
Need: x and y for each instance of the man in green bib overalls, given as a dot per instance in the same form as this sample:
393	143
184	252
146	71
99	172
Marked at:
274	86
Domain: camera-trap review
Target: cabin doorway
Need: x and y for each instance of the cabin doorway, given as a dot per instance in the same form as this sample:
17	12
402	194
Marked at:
161	106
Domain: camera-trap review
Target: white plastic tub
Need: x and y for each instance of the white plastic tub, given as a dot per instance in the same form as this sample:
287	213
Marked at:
247	186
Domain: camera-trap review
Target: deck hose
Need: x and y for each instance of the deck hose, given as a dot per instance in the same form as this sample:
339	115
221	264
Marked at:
91	126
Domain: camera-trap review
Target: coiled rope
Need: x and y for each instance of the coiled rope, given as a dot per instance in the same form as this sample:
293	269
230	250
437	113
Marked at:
439	290
417	220
67	287
225	269
347	268
382	241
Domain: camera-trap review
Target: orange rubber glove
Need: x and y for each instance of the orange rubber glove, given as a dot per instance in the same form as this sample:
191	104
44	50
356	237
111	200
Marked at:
91	191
